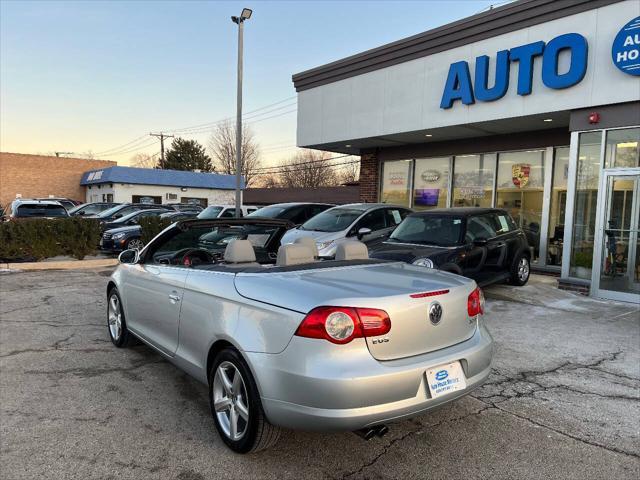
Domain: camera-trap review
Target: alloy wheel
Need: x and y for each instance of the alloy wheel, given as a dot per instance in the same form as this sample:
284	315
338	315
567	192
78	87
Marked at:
230	401
523	269
136	244
115	317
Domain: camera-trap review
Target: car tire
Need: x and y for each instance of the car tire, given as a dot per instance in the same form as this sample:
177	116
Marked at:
232	398
520	270
116	324
134	244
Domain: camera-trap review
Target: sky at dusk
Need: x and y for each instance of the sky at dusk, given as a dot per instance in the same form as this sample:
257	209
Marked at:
98	76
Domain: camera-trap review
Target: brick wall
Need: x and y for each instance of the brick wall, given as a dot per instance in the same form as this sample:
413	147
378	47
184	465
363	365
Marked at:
369	179
41	176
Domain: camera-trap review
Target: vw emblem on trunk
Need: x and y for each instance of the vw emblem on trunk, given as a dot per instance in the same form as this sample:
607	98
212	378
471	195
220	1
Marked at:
435	313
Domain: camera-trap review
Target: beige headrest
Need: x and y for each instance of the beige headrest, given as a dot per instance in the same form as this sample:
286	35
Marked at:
352	250
292	254
239	251
307	242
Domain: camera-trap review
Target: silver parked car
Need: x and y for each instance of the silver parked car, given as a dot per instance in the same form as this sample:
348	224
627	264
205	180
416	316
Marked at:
371	223
285	340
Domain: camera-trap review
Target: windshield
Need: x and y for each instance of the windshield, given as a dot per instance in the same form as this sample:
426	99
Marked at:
210	213
127	217
333	220
110	211
429	230
39	210
268	212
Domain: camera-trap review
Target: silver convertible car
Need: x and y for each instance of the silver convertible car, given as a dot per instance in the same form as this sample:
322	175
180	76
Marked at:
283	339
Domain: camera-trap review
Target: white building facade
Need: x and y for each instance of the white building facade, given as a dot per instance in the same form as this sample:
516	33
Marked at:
533	107
142	185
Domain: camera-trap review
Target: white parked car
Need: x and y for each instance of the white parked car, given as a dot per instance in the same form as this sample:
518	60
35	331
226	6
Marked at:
225	211
370	223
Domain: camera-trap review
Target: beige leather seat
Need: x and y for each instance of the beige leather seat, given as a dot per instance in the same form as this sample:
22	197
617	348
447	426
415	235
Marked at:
240	253
307	242
294	254
352	250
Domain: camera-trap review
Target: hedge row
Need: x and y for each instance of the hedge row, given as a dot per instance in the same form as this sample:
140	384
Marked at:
152	226
35	239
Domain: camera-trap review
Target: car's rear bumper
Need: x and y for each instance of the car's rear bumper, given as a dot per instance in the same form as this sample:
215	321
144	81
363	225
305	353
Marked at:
312	387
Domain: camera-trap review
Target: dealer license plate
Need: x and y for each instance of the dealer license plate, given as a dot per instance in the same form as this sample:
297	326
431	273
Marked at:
445	379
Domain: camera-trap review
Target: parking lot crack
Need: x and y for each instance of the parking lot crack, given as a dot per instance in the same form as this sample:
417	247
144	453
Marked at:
416	431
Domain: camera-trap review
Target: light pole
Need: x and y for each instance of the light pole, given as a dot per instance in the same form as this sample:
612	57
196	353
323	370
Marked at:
245	15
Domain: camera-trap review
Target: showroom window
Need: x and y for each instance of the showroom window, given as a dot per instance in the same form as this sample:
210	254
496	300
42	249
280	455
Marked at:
622	148
473	177
584	217
431	184
396	182
558	206
520	191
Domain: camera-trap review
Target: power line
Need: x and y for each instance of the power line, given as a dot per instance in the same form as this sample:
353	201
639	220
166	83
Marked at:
118	150
161	136
310	162
285	170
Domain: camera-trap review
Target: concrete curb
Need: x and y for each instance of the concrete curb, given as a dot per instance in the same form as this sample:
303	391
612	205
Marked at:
64	265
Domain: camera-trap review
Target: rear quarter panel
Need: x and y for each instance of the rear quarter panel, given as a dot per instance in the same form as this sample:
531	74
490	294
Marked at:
213	310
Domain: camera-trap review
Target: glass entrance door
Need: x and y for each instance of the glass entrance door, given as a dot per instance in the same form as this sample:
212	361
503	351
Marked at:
617	273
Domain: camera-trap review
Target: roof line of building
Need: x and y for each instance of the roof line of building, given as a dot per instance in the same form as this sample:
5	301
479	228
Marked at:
504	19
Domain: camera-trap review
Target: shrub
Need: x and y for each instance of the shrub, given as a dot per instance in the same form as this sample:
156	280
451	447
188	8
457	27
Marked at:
38	238
152	226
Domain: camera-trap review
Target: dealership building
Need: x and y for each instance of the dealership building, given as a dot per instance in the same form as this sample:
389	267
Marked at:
533	107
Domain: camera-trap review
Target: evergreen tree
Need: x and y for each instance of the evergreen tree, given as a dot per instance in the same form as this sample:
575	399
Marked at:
186	155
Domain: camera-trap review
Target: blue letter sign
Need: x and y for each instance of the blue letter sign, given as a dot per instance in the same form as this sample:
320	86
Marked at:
626	48
459	87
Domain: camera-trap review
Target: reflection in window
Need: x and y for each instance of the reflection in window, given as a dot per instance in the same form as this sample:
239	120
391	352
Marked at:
520	189
473	180
558	206
584	218
431	183
622	148
396	182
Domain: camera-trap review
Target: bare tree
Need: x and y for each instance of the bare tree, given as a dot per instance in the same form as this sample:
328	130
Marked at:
143	160
349	173
308	169
222	145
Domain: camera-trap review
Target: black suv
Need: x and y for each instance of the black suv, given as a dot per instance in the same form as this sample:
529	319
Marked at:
480	243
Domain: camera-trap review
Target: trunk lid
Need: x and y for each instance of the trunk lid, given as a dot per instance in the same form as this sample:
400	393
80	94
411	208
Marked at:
384	286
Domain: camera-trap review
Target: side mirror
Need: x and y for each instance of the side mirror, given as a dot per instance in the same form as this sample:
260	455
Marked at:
117	215
81	212
363	231
130	256
480	242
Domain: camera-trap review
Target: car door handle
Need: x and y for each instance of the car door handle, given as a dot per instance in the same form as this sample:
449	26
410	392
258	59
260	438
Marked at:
174	298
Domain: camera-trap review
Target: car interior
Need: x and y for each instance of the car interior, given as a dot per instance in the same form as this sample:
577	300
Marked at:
233	247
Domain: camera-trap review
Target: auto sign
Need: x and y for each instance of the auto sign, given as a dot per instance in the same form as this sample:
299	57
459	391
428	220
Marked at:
625	51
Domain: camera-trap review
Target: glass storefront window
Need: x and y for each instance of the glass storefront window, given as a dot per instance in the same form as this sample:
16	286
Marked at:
396	182
622	148
558	206
473	180
520	190
584	218
431	183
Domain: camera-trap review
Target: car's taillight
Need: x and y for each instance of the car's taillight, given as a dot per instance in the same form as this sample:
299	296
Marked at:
343	324
475	303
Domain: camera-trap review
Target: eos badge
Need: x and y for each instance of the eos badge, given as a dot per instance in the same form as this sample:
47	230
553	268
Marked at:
435	313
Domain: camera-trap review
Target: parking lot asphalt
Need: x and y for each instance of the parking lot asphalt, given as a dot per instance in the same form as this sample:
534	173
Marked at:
563	401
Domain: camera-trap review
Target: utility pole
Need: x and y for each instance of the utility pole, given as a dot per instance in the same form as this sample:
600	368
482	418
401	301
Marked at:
161	136
245	15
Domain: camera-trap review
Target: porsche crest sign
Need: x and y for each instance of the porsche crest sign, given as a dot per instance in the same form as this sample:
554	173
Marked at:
520	174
